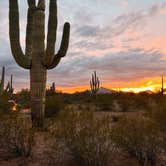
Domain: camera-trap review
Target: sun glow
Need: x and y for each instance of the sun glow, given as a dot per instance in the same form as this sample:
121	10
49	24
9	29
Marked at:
137	90
147	84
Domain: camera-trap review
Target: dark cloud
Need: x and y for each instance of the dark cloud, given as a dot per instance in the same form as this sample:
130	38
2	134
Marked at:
88	30
122	66
120	24
94	45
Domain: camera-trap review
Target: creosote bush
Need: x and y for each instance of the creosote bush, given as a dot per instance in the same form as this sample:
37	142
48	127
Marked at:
23	98
139	136
54	104
158	114
87	138
55	153
16	136
5	106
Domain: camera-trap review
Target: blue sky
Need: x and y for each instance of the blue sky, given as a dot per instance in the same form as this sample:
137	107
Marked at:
123	40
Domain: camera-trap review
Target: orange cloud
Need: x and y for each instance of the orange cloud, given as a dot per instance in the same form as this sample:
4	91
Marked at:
163	10
73	89
152	84
154	42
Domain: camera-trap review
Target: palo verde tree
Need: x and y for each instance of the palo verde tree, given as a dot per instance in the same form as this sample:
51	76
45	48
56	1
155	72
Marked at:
37	58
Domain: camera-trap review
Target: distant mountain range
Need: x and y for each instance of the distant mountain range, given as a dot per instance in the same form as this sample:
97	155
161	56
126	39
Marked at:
103	90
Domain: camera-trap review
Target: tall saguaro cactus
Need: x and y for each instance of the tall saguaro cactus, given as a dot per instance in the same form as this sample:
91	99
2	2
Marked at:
94	84
36	58
2	82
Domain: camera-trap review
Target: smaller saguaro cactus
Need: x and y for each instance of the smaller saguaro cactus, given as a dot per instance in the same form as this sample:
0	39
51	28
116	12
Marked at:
52	88
9	87
2	81
162	86
94	84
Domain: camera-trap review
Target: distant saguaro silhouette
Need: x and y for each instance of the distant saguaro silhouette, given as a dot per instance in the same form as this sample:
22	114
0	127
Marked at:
94	84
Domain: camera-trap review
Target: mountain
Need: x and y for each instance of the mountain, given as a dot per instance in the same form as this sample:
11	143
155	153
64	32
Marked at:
103	90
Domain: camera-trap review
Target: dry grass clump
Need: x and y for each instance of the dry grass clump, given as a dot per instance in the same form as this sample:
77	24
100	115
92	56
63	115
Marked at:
87	138
16	136
139	136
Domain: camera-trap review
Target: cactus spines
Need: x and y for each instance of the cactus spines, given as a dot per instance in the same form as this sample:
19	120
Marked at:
2	82
37	58
94	84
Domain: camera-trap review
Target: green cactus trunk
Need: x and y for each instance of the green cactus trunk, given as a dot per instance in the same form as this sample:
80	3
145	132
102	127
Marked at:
38	92
38	71
37	59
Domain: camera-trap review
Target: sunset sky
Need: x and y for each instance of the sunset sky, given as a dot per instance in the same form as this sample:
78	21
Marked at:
123	40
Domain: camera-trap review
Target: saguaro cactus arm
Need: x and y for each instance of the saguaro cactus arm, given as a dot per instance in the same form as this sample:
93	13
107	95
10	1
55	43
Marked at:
7	87
32	3
51	36
11	85
29	29
55	62
65	40
20	58
63	47
41	5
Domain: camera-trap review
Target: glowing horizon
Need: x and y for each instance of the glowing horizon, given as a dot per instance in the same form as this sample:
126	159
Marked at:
153	85
124	41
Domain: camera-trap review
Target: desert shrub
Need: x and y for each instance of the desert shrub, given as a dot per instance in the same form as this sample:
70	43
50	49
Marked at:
116	118
159	115
139	136
54	104
16	136
23	98
143	101
54	154
103	102
126	104
87	138
5	106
